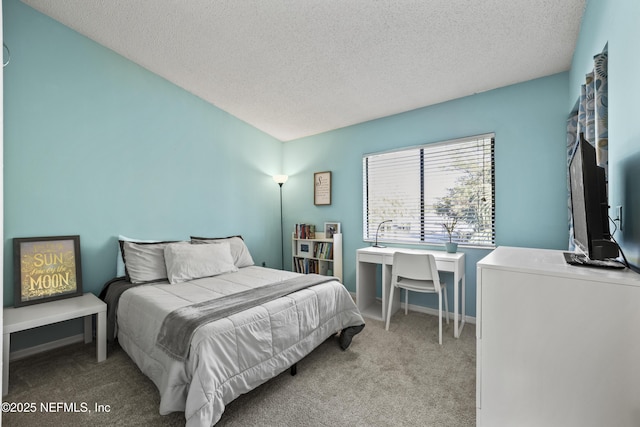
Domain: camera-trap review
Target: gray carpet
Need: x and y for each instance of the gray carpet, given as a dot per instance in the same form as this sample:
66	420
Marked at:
396	378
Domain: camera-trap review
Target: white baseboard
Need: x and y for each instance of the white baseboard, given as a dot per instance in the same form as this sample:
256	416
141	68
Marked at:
423	309
434	312
30	351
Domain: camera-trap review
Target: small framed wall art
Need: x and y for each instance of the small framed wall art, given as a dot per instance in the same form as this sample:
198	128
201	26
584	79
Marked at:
304	249
331	228
322	188
46	269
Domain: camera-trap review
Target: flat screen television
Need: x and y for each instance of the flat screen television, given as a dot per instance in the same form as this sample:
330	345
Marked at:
589	205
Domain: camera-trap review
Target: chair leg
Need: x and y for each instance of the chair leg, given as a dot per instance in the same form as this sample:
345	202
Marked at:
446	304
389	308
440	318
406	302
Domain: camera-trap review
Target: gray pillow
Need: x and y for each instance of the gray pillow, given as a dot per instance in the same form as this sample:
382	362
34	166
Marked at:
144	262
239	250
188	262
120	271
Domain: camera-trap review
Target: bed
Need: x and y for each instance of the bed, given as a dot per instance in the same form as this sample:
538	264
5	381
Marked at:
206	325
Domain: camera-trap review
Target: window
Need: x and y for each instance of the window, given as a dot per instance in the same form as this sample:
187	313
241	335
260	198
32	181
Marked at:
421	189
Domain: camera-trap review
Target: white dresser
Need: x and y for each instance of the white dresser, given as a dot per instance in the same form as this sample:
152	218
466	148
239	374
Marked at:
557	345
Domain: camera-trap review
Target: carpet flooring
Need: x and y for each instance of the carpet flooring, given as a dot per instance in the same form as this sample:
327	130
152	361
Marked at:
397	378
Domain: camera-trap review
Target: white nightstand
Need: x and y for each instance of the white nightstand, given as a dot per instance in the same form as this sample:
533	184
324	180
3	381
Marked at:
32	316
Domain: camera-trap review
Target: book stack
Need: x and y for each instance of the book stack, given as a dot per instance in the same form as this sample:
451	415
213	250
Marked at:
324	250
306	266
305	231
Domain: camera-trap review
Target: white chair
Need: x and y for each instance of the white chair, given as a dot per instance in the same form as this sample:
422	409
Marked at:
417	273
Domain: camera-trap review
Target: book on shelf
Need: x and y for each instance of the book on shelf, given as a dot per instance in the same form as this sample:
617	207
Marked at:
305	231
324	250
307	265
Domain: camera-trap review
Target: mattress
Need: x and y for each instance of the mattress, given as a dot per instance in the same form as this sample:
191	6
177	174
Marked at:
233	355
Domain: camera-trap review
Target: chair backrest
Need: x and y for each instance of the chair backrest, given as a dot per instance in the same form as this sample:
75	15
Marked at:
416	267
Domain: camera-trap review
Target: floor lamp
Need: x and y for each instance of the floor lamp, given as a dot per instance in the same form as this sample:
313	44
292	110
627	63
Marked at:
281	179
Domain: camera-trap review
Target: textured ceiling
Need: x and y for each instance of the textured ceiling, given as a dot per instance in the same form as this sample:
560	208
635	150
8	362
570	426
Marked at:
295	68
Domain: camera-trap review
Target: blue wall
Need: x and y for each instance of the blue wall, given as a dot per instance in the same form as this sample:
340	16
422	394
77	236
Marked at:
529	121
98	146
616	24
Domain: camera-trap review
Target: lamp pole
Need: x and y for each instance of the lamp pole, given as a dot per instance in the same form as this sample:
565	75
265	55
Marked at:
281	179
281	230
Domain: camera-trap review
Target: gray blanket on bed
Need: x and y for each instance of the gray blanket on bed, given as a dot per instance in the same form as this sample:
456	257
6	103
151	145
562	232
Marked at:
179	326
111	295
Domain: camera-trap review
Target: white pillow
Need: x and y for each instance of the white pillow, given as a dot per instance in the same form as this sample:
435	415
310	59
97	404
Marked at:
145	261
239	251
188	262
120	272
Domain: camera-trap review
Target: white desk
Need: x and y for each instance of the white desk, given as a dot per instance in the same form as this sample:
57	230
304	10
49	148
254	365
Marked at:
368	258
32	316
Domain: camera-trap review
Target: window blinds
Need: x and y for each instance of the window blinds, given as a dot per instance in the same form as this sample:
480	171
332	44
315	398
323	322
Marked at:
422	188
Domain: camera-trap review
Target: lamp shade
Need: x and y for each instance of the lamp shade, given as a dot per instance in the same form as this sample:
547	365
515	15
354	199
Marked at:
280	179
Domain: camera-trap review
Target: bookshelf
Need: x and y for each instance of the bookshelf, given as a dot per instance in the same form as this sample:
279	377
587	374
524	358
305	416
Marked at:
317	255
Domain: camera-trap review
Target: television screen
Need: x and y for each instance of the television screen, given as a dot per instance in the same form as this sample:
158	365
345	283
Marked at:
580	231
589	205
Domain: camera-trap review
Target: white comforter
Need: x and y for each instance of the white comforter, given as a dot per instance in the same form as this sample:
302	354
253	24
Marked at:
234	355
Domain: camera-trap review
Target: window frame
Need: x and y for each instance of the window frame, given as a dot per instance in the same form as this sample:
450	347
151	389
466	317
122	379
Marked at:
426	236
